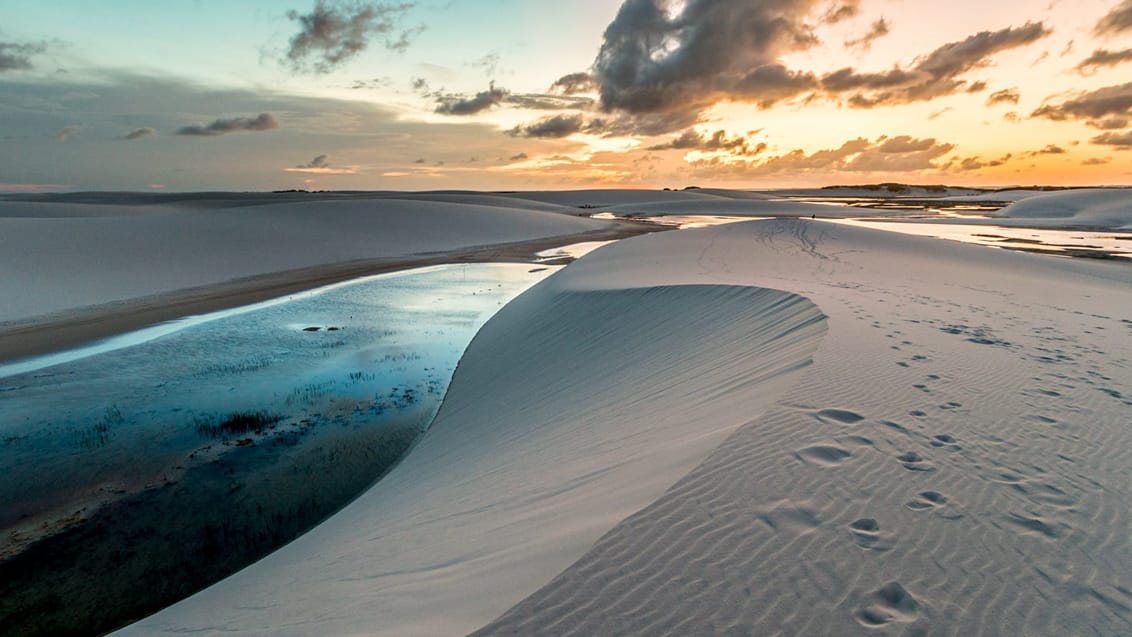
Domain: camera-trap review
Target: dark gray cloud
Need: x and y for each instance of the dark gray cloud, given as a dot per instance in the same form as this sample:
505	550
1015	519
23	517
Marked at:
1110	101
1122	140
574	83
1103	57
333	32
1005	96
658	70
653	62
554	127
321	161
936	74
717	141
16	56
462	105
261	122
877	30
138	133
1116	21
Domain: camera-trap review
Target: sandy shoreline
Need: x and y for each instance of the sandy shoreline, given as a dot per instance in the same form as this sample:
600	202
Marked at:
65	330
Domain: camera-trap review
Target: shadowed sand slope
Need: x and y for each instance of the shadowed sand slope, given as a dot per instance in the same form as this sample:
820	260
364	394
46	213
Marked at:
571	409
955	462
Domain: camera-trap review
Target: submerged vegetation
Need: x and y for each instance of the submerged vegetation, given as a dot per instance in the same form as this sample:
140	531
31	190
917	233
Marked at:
238	423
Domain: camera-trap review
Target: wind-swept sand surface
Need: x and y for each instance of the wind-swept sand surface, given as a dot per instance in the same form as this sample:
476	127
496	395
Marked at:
640	439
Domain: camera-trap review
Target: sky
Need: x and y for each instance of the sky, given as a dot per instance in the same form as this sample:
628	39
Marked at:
185	95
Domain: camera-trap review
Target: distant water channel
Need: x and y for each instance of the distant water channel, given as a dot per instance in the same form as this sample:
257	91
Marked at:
135	476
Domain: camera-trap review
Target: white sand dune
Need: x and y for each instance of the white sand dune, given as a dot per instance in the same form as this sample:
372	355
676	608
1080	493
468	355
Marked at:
1101	207
60	256
953	462
738	208
571	410
601	198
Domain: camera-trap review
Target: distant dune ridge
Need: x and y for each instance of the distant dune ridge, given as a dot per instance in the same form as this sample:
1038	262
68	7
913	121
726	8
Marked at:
780	426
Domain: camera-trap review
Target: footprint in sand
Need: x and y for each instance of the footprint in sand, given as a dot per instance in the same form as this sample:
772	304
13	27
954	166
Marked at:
1034	524
945	441
890	603
838	417
867	535
824	455
913	461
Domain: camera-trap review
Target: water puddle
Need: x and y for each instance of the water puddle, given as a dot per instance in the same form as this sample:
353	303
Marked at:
163	460
1068	243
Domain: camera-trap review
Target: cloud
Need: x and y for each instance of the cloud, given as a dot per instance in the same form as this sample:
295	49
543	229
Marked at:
1110	123
877	30
334	32
717	141
654	62
842	11
482	101
262	122
1104	57
575	83
1005	96
548	102
489	63
1049	149
968	164
62	135
138	133
1122	141
887	154
16	56
1116	21
1096	161
320	166
551	127
935	74
519	157
1091	105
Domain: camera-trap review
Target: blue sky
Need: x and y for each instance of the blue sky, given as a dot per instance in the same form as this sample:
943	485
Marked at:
742	93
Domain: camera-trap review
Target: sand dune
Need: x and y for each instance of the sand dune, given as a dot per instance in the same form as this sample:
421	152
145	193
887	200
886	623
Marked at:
60	256
952	463
599	198
571	410
1107	207
738	207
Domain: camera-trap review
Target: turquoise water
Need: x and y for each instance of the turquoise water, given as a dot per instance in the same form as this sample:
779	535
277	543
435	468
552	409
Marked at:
216	439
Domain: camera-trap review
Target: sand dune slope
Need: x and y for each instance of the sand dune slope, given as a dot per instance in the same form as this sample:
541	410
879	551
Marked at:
571	409
61	256
1101	207
955	462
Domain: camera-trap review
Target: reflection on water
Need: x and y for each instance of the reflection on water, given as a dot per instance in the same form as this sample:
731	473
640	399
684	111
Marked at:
1070	243
160	467
683	222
